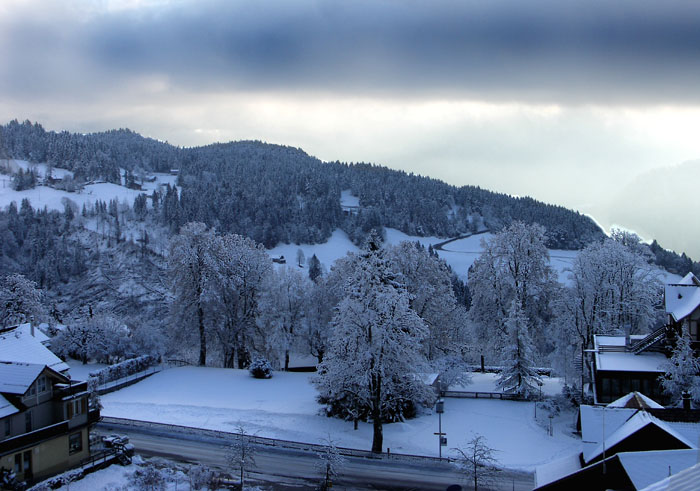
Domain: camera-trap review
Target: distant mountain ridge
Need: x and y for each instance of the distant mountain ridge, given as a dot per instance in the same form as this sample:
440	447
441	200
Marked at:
276	193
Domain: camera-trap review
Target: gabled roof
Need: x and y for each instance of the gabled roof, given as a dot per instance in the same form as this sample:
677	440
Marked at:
682	299
596	422
6	407
636	423
16	378
19	345
635	400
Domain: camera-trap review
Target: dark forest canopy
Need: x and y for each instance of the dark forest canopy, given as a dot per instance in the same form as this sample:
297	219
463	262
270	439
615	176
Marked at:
275	193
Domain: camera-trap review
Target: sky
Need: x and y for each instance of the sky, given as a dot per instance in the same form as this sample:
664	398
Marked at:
567	102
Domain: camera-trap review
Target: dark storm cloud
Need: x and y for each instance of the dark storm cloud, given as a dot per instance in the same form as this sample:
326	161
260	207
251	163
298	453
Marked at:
540	51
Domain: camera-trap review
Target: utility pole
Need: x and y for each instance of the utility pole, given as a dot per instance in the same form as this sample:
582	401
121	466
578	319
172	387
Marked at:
442	439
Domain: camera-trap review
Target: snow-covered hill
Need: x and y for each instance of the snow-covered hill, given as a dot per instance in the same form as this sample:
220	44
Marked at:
53	199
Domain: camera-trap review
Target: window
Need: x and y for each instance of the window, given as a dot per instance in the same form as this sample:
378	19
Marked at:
76	407
18	463
694	330
41	383
75	443
32	389
27	469
28	421
8	427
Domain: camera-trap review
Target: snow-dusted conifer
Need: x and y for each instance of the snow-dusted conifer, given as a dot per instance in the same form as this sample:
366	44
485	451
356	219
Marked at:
518	375
682	371
315	270
375	357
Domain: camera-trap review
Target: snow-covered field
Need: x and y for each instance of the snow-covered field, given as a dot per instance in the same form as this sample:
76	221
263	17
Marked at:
43	196
486	382
285	407
81	372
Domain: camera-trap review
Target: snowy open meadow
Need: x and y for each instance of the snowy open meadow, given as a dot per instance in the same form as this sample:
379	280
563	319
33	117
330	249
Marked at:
285	407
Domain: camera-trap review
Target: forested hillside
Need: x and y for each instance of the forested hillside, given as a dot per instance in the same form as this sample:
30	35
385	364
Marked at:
275	193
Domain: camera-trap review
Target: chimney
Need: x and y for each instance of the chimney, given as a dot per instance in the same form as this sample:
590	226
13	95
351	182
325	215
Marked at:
686	400
627	329
32	329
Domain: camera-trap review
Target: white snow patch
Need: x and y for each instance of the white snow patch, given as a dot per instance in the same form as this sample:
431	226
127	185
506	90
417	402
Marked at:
285	407
347	200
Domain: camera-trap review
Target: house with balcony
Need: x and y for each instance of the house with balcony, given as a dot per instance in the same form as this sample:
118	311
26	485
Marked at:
627	363
44	420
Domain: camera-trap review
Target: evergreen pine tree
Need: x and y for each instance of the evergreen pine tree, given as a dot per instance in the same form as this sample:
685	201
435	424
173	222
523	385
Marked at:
314	268
518	375
682	371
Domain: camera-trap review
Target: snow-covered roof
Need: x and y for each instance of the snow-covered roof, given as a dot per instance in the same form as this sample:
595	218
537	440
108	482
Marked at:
636	400
19	345
6	408
555	470
607	340
646	468
36	333
15	378
595	420
689	279
640	420
681	300
686	480
625	361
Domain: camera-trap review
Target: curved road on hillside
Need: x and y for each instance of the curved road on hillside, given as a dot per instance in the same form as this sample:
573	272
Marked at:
298	468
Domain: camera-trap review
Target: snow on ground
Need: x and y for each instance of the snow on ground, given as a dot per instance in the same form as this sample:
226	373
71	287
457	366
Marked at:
81	372
486	382
285	407
44	196
337	246
348	200
112	477
40	169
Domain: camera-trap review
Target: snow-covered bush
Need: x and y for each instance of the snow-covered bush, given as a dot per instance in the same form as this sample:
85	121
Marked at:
260	368
123	369
148	477
201	477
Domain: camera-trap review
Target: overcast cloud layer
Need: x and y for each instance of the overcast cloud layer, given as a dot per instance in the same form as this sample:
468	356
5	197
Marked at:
564	101
538	51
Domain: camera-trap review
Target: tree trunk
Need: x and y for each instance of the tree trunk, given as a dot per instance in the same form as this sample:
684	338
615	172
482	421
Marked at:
286	360
202	337
378	435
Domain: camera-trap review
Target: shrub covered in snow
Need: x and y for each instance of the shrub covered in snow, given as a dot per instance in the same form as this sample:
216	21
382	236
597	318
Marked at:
123	369
148	477
260	368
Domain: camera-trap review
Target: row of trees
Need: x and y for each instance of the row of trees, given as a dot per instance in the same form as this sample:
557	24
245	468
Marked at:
520	311
275	193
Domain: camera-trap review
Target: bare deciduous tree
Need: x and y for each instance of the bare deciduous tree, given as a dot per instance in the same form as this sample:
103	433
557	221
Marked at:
477	460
